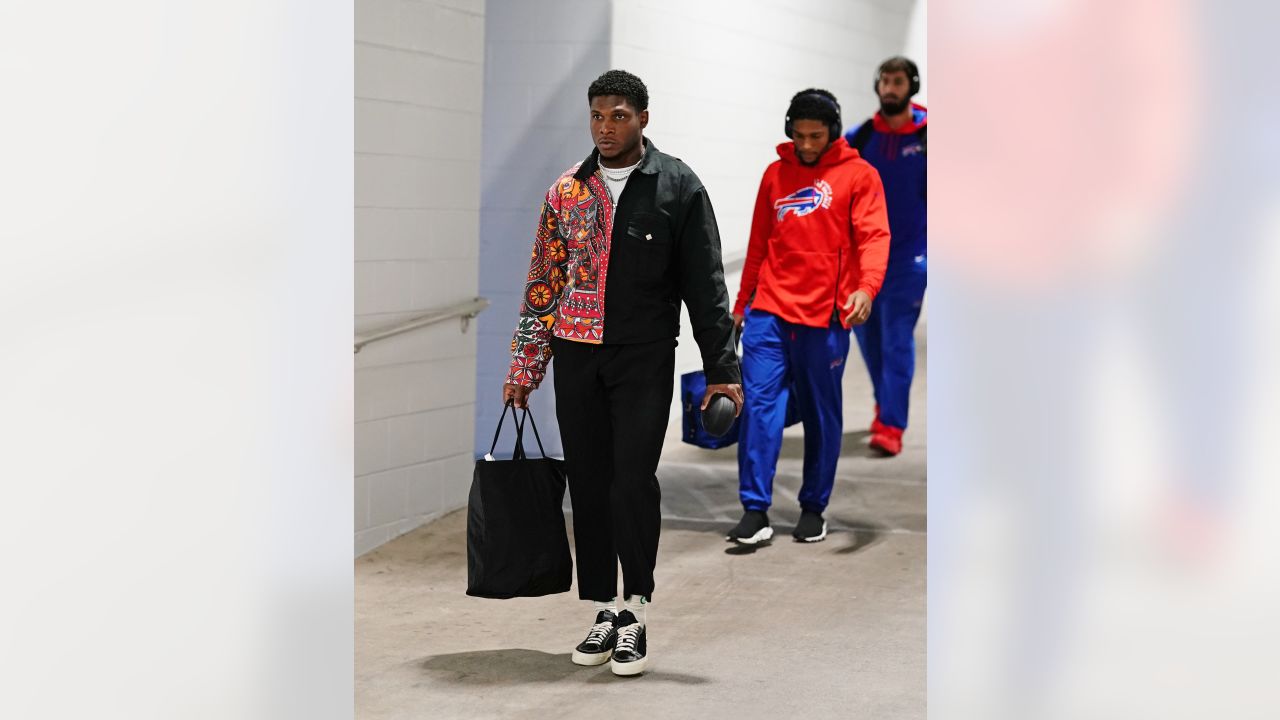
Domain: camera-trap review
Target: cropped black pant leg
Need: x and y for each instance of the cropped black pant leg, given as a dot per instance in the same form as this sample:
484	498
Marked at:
613	403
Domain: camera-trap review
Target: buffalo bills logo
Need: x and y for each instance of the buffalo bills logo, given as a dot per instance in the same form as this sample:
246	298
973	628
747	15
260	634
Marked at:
805	200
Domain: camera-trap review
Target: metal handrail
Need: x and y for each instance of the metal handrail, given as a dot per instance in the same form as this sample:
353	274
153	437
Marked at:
465	310
471	308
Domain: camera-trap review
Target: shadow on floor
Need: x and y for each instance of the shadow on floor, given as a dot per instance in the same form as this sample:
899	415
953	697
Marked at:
512	666
846	540
736	549
861	536
521	666
850	535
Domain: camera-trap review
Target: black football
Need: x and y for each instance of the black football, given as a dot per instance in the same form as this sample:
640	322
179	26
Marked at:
718	417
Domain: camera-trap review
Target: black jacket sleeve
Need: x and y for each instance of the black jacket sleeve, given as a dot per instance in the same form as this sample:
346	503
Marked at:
703	291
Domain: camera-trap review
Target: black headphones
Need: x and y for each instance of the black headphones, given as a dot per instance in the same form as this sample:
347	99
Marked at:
913	75
836	128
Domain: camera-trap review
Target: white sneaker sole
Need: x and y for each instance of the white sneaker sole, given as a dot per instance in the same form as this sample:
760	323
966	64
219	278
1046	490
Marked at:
816	538
764	535
632	668
581	658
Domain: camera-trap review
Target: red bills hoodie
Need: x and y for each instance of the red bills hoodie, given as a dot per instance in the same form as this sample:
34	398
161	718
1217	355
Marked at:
817	235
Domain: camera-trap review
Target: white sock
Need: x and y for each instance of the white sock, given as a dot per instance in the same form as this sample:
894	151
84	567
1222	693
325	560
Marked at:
636	604
611	606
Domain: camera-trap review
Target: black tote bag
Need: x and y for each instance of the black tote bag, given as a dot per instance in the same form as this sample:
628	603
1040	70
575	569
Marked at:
516	540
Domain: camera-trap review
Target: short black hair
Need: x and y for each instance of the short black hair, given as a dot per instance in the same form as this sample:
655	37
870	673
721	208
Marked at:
620	82
814	104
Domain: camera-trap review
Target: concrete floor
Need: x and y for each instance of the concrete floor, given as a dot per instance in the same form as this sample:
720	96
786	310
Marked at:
835	628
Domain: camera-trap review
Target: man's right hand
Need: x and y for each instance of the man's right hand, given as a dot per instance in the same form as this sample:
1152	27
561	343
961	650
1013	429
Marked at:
516	394
737	321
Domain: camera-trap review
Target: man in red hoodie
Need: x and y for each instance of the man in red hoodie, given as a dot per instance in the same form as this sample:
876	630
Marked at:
816	258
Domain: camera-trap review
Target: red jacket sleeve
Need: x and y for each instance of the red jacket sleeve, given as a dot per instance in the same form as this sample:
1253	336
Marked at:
762	221
870	222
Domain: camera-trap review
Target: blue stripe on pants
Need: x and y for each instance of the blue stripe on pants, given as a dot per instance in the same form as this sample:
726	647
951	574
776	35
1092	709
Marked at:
888	344
776	356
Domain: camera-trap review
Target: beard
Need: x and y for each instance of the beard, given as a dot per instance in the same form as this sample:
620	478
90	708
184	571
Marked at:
894	107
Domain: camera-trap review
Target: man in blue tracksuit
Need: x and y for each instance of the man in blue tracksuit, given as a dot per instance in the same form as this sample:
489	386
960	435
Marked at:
894	142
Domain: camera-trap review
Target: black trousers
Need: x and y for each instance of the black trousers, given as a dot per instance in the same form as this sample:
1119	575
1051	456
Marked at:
613	402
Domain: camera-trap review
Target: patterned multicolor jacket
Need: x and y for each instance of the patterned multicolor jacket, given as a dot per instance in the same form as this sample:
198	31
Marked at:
666	248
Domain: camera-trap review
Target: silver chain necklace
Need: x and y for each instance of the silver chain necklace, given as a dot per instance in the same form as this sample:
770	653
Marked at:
620	174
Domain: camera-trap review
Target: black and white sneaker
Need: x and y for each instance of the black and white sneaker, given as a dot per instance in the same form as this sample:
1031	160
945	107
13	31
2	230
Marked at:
630	657
601	638
811	528
753	528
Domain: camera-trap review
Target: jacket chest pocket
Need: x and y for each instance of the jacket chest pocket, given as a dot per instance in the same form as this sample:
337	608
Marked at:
649	238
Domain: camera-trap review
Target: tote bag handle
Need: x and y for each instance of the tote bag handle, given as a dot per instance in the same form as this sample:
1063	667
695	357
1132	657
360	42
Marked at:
518	453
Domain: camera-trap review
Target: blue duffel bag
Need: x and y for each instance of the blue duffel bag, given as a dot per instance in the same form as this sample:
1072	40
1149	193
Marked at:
693	385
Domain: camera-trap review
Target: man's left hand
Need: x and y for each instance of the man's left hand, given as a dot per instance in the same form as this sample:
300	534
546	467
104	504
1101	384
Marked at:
733	390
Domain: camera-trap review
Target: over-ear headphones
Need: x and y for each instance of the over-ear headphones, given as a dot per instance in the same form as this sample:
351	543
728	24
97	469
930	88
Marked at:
836	129
913	75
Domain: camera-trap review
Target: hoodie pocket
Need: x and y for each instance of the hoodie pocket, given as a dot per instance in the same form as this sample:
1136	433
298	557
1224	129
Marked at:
803	280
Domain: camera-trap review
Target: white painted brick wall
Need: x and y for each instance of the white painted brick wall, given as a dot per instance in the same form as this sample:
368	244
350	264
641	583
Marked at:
916	45
419	84
540	57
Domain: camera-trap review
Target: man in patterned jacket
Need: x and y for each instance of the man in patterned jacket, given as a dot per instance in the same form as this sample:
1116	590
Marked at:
624	236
